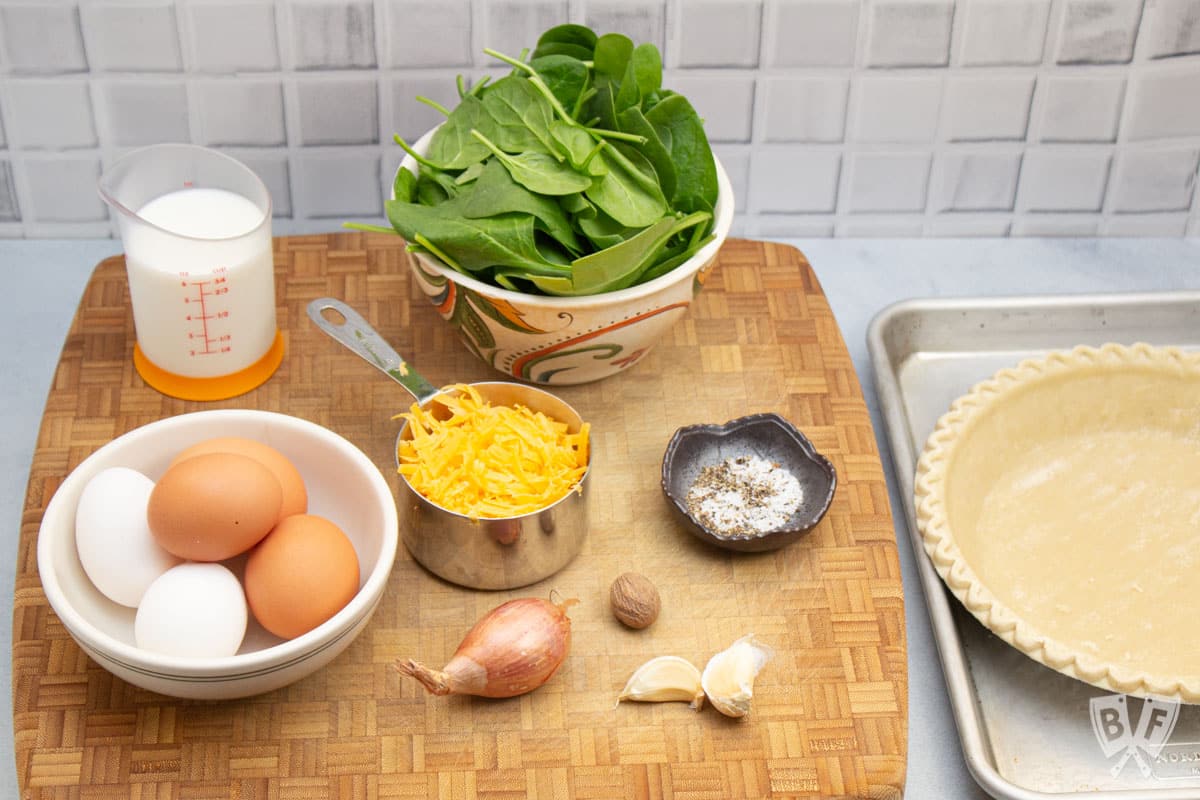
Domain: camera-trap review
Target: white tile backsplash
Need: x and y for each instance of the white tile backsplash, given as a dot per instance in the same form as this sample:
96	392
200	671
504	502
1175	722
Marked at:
1070	225
1146	225
1165	102
787	178
133	112
509	26
1003	32
228	37
423	34
803	109
62	188
832	117
272	169
336	183
887	181
896	108
42	38
718	33
1059	179
1081	108
246	112
908	33
976	181
10	210
810	33
724	102
736	161
640	20
49	114
1174	28
1155	180
132	36
978	108
881	228
337	110
332	34
1098	31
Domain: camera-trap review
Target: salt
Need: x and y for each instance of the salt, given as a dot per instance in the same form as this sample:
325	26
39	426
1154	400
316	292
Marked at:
744	496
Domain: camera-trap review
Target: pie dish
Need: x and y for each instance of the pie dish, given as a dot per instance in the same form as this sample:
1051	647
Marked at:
1060	502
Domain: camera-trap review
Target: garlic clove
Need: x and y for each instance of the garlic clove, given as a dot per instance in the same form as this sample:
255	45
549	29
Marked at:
663	680
728	678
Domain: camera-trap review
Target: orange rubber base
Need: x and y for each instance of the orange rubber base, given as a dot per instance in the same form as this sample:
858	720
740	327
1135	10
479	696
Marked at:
216	388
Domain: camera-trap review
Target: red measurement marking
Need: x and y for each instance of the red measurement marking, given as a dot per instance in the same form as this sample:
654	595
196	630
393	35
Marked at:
205	290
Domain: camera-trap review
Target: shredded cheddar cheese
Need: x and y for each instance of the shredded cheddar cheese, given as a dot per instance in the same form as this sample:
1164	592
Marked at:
486	461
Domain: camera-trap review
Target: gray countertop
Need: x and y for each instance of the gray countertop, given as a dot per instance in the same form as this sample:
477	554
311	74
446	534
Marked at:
860	277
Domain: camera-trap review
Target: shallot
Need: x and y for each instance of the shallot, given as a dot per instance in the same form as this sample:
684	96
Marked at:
513	649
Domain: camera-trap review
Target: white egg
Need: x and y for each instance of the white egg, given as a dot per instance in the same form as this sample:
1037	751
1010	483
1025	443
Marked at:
194	610
115	545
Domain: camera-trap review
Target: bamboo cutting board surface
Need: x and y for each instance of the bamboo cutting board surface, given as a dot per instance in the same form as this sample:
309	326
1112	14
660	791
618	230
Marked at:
829	711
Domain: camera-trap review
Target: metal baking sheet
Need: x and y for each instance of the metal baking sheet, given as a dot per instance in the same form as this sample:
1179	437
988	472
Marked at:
1027	731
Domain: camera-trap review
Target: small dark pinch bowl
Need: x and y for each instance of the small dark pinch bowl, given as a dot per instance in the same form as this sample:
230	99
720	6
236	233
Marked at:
768	436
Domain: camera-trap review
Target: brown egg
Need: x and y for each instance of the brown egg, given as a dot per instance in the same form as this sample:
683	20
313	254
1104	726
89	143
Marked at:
303	573
213	506
295	495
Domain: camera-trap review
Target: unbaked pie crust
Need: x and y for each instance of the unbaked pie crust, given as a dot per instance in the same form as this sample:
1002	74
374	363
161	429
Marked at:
1060	502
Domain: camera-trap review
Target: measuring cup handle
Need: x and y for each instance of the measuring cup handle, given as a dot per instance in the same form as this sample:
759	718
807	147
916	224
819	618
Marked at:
357	334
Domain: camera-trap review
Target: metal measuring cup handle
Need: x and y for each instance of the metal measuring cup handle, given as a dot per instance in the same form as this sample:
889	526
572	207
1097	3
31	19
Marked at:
356	333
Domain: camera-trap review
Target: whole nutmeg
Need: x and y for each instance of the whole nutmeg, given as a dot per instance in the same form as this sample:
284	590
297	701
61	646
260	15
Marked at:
634	600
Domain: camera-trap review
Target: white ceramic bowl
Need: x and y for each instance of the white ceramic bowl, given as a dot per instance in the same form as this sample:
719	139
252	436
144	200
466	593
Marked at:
567	340
343	486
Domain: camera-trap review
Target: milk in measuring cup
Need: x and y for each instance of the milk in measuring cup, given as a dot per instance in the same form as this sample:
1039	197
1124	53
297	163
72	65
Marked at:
201	280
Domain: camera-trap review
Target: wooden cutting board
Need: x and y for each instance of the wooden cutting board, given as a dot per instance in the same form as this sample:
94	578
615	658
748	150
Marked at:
829	711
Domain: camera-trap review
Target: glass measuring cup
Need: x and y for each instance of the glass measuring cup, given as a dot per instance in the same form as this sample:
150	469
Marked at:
196	228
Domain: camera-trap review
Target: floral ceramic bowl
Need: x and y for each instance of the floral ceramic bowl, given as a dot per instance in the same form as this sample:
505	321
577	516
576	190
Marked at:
567	340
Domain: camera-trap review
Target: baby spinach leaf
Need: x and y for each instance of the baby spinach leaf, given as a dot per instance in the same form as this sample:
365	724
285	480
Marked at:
620	193
682	132
452	146
429	192
604	231
470	173
550	284
443	179
521	117
495	192
672	258
631	120
579	147
636	165
404	186
604	107
622	265
618	266
643	75
647	68
577	206
578	35
539	172
474	244
564	76
565	49
611	58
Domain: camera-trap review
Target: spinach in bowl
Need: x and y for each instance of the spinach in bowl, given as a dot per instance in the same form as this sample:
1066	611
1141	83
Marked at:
575	174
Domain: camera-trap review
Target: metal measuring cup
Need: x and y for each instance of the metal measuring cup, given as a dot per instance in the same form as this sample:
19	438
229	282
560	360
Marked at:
492	553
